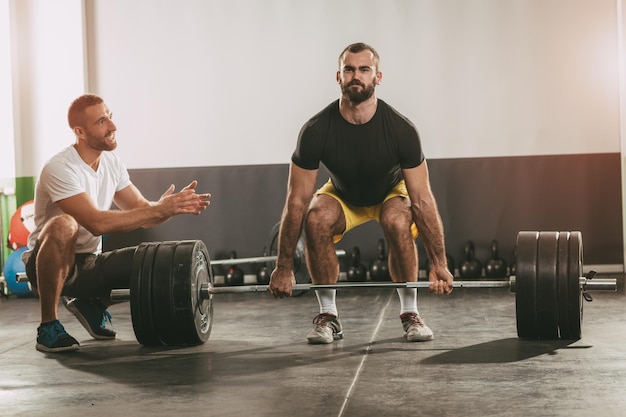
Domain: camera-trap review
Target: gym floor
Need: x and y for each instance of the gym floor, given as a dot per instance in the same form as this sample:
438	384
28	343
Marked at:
257	362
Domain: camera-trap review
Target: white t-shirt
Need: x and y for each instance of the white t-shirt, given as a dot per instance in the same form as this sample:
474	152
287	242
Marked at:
66	175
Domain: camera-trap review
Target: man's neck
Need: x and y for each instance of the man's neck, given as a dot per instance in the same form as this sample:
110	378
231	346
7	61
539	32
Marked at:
90	156
358	113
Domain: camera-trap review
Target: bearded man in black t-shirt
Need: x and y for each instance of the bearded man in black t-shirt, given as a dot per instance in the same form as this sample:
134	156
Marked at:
377	172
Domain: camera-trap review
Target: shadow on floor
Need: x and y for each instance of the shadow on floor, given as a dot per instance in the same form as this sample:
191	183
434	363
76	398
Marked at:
501	351
132	364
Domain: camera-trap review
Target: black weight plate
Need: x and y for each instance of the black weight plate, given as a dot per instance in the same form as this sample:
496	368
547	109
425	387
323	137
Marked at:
192	314
162	293
563	285
151	335
141	295
526	285
574	290
300	269
271	246
135	291
547	303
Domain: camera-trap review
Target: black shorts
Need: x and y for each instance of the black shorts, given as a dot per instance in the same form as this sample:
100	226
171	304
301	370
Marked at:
93	275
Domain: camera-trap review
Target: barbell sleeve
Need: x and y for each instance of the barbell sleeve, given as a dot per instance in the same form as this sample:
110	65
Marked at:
606	284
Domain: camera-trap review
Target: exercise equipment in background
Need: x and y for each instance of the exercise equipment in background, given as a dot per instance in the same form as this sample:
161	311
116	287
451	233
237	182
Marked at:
12	267
21	225
379	269
357	271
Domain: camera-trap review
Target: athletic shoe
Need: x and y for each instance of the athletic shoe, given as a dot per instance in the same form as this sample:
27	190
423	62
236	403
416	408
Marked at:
327	329
52	337
93	316
415	329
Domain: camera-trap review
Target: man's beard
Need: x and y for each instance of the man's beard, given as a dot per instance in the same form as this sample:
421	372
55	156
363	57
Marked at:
100	143
357	96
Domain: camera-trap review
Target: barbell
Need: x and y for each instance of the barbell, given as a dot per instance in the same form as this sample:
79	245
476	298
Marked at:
172	288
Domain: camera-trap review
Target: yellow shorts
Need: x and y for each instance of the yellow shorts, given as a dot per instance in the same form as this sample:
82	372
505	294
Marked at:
356	216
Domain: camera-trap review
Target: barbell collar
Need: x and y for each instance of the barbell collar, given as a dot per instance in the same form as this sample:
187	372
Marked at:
258	259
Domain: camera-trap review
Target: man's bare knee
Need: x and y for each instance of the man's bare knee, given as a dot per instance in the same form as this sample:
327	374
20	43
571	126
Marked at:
396	218
324	217
64	226
397	226
60	232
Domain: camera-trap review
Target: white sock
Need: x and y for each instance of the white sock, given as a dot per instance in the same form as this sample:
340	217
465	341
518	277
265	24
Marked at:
326	299
408	300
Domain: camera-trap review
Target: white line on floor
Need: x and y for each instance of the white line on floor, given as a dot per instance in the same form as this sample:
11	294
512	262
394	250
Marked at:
362	364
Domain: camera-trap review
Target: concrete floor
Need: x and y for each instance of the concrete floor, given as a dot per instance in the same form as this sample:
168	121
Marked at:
257	362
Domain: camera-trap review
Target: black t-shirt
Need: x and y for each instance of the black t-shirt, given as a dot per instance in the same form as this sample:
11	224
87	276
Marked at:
364	161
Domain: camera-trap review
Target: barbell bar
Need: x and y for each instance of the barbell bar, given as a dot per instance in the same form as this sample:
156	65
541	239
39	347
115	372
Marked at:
207	290
595	284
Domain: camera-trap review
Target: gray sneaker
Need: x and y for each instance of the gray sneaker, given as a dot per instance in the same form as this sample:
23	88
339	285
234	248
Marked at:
327	329
415	329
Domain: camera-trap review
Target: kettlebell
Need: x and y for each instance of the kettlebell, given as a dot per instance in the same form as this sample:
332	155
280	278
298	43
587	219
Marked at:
357	271
471	267
379	269
235	275
495	267
263	275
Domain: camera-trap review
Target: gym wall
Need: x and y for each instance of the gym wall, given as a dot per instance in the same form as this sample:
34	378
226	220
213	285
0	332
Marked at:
517	104
479	199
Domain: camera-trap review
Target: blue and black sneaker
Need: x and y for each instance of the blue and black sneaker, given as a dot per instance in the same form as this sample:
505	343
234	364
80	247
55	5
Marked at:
93	316
52	337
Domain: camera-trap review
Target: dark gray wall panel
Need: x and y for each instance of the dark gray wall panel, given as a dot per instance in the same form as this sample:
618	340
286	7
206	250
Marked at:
480	199
493	198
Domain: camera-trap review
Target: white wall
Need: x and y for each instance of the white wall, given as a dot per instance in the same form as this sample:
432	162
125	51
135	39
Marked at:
7	162
48	73
621	24
209	83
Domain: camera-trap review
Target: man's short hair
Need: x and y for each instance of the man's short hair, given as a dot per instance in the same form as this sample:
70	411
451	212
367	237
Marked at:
359	47
76	112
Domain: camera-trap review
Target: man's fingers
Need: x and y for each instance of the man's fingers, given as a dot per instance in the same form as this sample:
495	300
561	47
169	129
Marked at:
191	185
440	287
168	192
